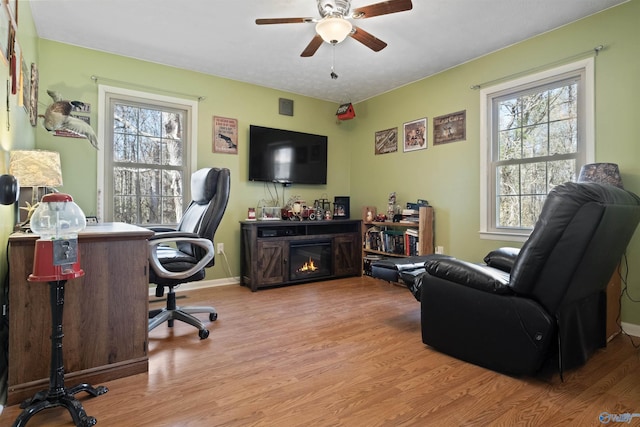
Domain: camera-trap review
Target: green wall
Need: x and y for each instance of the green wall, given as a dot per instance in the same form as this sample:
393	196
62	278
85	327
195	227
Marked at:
448	175
15	130
68	69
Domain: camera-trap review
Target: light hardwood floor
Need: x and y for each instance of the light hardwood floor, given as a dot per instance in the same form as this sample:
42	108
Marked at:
340	353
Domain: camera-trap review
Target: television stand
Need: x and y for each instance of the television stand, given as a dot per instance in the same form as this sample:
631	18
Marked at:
274	253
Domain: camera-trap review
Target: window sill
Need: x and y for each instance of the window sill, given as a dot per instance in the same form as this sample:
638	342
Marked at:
510	237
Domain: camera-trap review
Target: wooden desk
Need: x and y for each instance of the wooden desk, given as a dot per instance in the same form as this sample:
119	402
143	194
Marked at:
105	311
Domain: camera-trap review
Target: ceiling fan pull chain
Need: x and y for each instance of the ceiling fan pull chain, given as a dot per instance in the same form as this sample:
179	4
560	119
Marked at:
333	61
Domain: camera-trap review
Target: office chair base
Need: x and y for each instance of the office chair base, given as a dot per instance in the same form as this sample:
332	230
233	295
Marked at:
157	317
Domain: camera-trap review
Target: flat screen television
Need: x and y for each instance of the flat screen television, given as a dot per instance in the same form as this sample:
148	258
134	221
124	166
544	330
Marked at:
287	157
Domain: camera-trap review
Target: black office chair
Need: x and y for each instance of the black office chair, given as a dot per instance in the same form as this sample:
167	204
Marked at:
181	255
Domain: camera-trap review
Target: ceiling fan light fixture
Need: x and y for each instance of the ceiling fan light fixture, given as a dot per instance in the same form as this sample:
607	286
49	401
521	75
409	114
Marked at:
333	29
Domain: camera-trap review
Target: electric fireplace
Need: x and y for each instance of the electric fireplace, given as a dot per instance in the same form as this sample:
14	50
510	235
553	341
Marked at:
309	259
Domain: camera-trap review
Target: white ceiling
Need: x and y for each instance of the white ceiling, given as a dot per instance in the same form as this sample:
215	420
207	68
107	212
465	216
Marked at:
220	37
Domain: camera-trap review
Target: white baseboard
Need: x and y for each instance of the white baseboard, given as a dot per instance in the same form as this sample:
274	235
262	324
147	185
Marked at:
202	284
631	329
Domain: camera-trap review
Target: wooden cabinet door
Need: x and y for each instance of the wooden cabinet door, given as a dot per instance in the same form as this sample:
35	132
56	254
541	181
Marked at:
272	262
347	255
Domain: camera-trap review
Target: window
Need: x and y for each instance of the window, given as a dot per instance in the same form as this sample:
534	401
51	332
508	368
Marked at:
536	133
146	159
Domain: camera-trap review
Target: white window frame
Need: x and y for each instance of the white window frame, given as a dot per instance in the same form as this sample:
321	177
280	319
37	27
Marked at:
587	139
105	92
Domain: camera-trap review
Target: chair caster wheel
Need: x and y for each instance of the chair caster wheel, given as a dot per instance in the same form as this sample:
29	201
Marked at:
213	316
203	334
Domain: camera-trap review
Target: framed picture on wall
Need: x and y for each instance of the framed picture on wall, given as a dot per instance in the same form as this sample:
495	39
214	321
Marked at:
12	5
33	94
225	135
415	135
450	128
5	25
386	141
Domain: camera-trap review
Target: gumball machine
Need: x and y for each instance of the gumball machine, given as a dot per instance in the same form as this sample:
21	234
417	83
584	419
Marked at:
57	221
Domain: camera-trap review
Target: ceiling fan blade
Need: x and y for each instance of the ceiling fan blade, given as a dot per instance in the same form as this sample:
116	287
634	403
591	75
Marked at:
267	21
312	47
382	8
367	39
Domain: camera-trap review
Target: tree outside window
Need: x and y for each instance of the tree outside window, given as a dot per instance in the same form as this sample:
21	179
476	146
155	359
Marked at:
147	159
538	134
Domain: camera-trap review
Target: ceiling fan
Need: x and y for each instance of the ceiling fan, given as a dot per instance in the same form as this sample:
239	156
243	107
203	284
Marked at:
335	25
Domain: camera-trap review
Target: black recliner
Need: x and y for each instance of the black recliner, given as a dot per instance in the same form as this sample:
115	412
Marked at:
545	302
182	255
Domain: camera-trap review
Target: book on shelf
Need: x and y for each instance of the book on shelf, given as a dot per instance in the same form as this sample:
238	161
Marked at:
393	241
410	219
411	242
412	231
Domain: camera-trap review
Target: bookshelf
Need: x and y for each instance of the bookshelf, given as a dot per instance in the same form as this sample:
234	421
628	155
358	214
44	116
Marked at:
397	239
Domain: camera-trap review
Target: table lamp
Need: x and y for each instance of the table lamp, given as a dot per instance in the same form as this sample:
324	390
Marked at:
607	173
36	169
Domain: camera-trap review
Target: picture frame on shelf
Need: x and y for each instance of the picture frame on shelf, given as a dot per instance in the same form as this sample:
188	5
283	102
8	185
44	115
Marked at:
386	141
341	207
415	135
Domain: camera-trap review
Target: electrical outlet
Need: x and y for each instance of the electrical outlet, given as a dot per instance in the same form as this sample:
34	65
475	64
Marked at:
439	249
220	248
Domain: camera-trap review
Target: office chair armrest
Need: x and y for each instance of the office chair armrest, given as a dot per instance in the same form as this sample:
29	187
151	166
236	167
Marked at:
174	236
206	244
161	229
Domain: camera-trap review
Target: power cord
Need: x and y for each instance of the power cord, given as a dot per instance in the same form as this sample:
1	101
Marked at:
625	291
226	261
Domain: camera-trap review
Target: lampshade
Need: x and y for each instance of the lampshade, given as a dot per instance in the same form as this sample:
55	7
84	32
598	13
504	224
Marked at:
607	173
333	29
36	168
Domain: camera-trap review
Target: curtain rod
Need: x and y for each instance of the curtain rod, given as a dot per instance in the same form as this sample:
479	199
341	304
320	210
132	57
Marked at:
595	51
198	97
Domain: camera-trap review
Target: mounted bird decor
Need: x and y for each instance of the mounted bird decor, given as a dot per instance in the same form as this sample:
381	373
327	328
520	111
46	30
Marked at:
58	117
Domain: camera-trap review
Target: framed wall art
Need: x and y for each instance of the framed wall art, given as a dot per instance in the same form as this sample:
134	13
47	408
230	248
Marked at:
33	94
12	60
415	135
12	5
5	25
23	100
225	135
386	141
449	128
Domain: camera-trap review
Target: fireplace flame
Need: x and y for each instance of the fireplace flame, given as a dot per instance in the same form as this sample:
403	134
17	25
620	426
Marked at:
309	266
